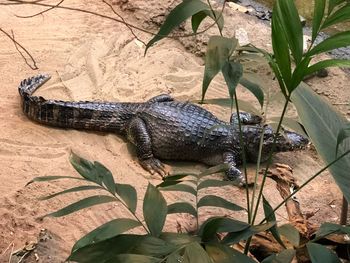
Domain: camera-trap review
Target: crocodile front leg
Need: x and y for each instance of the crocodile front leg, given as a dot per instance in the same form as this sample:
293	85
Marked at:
233	173
138	135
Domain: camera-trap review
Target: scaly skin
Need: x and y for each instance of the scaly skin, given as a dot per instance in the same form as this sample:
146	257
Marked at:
162	128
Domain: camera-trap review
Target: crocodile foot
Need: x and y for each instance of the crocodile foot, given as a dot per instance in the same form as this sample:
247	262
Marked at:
236	176
153	165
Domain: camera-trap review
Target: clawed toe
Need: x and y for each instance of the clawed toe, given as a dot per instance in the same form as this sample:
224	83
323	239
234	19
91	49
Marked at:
153	165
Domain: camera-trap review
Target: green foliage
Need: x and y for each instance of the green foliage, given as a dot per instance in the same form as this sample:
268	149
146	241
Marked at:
291	233
323	124
321	254
286	256
270	216
154	210
179	14
111	242
217	56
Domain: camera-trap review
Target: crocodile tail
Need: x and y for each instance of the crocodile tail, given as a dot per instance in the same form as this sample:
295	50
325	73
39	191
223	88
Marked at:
28	86
101	116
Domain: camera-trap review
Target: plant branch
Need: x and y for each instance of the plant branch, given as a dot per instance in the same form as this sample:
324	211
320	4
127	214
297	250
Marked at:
19	47
42	12
125	23
38	3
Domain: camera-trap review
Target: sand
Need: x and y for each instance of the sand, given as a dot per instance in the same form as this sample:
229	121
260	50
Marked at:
91	58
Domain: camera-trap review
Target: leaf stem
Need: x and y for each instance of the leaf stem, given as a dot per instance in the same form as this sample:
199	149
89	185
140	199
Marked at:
269	161
241	142
131	212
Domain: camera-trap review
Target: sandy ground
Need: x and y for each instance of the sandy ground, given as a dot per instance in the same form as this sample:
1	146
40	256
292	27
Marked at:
91	58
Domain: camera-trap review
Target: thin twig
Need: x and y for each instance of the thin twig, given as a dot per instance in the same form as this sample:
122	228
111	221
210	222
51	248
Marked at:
18	46
42	12
20	2
125	23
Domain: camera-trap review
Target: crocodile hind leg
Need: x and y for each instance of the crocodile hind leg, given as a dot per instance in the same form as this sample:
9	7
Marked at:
160	98
246	118
137	134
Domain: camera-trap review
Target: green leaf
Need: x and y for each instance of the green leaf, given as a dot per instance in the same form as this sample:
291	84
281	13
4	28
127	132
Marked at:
232	72
270	217
332	4
200	16
291	233
343	134
107	177
179	14
323	123
81	204
319	10
105	249
178	239
225	254
133	258
154	210
72	190
179	176
286	256
86	169
331	228
280	49
181	207
106	231
181	188
51	178
218	52
215	169
299	73
168	183
220	225
213	183
321	254
291	124
327	63
212	200
153	246
290	22
254	88
194	253
235	237
336	41
175	257
338	16
128	194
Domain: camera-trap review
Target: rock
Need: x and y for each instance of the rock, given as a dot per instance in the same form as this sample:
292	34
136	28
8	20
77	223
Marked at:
242	36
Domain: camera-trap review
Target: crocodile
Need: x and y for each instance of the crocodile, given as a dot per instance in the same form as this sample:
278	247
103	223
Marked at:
163	128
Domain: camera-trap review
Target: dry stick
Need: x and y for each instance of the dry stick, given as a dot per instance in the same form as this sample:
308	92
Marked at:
20	2
304	184
344	211
42	12
131	30
34	66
